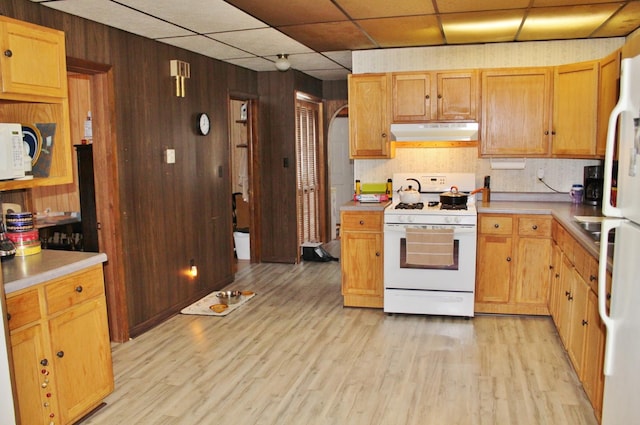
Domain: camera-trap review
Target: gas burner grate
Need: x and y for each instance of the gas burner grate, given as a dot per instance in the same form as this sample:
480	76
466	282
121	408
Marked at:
453	207
405	206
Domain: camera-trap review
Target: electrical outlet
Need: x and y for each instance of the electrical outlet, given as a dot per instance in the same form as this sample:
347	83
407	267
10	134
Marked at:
170	156
540	173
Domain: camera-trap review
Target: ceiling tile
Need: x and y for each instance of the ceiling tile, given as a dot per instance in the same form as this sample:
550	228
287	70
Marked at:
327	75
404	32
358	9
261	42
556	23
291	12
308	61
255	64
198	15
452	6
551	3
342	57
621	24
118	16
329	36
206	46
482	27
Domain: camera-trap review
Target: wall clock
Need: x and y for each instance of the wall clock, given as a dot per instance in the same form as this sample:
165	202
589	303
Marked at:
204	124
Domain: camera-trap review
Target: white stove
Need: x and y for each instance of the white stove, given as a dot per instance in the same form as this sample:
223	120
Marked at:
442	287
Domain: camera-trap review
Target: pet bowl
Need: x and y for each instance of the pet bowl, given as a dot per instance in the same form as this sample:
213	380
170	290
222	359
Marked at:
229	297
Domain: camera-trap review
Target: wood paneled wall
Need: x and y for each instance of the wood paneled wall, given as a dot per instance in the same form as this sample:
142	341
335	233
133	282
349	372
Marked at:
171	213
277	92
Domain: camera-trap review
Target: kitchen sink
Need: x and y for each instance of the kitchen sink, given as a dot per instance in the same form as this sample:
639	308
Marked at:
592	226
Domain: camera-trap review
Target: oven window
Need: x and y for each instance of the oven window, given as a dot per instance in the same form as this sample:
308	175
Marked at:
405	265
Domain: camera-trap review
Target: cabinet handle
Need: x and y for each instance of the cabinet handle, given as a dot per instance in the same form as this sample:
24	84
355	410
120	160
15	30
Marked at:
508	258
439	96
584	322
44	362
384	135
608	295
546	133
553	133
8	53
8	316
426	97
79	289
557	275
496	225
377	253
592	278
570	297
534	227
362	222
60	354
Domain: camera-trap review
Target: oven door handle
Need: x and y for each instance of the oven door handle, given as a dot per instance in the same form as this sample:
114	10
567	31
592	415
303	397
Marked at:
403	227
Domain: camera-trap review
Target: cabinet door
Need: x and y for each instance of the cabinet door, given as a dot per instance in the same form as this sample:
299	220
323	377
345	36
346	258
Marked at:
516	112
362	263
412	98
555	284
567	275
33	59
493	270
80	342
593	378
608	92
368	116
575	110
457	96
32	369
532	271
578	322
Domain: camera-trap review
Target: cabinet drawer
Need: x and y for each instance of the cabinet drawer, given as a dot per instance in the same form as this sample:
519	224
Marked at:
496	225
23	308
534	226
362	221
74	289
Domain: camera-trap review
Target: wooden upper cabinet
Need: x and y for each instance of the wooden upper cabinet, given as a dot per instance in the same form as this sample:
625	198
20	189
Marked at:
608	93
369	116
412	97
457	96
516	112
434	96
33	91
32	59
575	110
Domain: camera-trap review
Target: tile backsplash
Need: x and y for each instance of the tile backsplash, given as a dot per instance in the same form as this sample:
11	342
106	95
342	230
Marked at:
560	174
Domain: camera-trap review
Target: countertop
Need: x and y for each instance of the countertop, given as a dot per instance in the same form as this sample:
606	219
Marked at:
22	272
364	206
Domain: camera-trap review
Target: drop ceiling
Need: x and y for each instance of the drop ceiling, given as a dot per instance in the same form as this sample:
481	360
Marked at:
320	35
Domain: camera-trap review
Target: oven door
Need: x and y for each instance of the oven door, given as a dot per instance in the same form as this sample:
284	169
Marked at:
399	274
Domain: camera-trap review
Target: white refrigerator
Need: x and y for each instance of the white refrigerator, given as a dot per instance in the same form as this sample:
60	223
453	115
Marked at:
622	350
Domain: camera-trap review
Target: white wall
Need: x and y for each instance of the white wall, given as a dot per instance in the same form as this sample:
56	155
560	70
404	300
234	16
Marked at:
559	174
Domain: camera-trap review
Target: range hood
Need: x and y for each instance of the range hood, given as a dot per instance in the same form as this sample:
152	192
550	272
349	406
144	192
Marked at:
435	132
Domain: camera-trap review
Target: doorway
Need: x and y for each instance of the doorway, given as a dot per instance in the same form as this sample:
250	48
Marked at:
340	167
242	145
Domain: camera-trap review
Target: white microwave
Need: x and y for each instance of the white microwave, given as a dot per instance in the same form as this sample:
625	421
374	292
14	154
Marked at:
11	151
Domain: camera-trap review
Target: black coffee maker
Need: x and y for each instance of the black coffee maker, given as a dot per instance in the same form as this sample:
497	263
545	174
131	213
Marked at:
593	183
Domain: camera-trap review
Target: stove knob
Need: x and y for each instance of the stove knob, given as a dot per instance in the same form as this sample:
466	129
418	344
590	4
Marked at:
447	219
411	219
457	219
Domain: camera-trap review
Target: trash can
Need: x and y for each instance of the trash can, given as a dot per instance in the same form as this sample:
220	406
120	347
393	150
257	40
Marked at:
243	245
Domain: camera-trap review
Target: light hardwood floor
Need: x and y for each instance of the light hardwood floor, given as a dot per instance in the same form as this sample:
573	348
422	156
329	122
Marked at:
294	355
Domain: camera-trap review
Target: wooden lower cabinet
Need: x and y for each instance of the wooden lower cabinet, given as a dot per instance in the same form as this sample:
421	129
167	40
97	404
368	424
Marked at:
62	356
573	304
512	273
362	258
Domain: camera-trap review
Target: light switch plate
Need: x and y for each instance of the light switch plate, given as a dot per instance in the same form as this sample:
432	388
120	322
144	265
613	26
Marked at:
170	156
